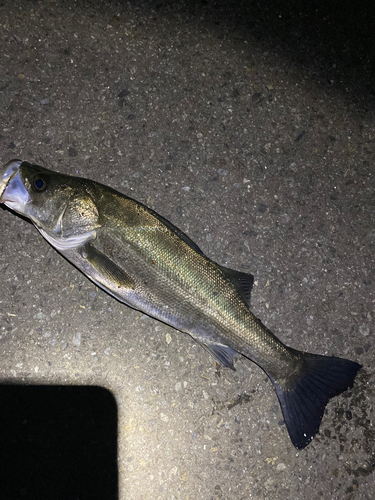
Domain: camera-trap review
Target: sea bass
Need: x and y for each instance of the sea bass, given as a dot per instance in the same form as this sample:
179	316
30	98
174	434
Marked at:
146	262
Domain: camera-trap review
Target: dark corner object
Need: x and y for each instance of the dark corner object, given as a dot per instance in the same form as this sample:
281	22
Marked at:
58	442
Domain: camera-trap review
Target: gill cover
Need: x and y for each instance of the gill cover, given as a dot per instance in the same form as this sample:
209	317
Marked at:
59	205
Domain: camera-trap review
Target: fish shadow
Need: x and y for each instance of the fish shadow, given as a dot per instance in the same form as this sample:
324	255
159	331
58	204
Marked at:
58	442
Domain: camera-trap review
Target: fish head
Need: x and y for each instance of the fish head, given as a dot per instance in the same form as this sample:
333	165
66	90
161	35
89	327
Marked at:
60	206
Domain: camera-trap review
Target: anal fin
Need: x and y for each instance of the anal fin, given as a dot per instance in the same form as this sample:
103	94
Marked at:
222	353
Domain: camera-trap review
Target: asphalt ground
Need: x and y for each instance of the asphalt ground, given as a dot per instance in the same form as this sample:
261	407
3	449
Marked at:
249	125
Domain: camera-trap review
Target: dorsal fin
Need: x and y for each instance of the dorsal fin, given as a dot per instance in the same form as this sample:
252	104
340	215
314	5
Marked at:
179	233
242	282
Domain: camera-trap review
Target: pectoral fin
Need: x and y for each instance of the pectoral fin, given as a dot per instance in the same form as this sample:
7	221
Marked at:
110	274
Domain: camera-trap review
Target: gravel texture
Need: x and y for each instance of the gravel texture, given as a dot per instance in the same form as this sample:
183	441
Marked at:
249	125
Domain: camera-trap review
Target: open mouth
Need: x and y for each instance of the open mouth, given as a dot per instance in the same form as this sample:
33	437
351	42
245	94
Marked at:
12	190
9	169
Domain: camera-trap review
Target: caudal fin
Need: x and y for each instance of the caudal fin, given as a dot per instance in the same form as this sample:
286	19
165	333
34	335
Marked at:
303	401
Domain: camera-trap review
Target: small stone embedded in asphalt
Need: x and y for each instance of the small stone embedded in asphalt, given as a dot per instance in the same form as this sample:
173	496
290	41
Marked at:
280	467
123	93
221	171
256	97
299	136
76	339
364	330
72	152
262	208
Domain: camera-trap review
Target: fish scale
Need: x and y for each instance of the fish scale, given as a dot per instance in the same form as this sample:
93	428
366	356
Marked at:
146	262
199	283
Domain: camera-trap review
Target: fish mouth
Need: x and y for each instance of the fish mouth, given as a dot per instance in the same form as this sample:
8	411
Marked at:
12	190
9	169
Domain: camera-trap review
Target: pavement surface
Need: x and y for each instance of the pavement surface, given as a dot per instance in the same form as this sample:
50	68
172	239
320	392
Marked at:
249	125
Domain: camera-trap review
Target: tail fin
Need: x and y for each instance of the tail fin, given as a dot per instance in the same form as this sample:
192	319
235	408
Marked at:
303	401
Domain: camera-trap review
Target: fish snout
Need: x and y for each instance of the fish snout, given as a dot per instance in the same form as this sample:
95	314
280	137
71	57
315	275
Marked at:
12	190
8	170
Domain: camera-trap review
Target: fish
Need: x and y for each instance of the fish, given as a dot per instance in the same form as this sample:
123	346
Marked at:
147	263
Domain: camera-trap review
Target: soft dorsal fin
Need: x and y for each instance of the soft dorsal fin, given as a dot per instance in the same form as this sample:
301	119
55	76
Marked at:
111	275
242	282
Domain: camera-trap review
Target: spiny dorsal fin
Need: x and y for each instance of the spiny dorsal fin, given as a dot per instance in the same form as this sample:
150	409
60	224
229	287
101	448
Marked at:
242	282
179	233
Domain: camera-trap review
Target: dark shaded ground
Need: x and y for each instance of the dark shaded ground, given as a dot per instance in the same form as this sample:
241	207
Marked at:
58	442
249	125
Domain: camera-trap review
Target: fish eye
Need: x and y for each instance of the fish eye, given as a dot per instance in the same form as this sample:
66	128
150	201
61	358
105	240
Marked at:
40	183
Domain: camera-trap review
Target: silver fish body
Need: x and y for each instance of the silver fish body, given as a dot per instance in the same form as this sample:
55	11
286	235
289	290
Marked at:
144	261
